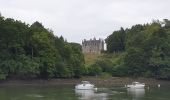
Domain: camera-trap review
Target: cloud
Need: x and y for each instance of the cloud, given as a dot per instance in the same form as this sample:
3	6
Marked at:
79	19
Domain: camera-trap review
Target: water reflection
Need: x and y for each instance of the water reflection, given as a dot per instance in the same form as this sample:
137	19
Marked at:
91	95
137	94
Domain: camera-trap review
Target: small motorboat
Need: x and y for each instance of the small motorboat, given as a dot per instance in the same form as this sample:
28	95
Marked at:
85	85
136	85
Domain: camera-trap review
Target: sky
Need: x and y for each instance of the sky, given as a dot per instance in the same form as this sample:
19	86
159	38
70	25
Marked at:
76	20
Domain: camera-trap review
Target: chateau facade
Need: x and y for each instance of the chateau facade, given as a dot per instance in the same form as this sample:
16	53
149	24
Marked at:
93	46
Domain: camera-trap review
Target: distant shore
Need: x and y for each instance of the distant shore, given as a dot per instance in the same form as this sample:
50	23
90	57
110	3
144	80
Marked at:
112	81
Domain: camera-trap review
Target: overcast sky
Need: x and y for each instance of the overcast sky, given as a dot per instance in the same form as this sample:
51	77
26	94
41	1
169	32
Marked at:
84	19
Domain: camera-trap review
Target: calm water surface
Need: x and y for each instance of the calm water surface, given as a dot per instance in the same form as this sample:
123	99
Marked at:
67	92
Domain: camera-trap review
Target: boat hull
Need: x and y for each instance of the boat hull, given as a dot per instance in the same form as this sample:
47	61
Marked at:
84	86
136	86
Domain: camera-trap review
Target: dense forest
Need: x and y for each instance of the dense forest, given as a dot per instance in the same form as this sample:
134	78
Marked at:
142	51
32	51
139	51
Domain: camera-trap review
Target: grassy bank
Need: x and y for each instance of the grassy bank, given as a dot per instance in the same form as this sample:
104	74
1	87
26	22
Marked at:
103	64
91	58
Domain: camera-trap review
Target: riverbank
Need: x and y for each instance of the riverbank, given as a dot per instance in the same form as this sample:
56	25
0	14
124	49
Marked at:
111	81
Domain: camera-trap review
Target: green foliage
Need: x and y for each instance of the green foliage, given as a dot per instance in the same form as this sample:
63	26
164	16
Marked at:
116	41
99	67
146	51
94	70
135	61
32	51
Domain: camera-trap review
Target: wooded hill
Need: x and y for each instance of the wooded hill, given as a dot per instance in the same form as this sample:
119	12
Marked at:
32	51
139	51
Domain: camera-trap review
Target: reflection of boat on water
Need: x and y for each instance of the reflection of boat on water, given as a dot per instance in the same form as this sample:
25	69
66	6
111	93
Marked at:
136	93
136	85
85	85
85	94
90	94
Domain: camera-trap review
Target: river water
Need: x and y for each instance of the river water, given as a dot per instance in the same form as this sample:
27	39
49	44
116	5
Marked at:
67	92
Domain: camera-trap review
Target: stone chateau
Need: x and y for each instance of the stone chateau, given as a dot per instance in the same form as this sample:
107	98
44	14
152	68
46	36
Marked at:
93	46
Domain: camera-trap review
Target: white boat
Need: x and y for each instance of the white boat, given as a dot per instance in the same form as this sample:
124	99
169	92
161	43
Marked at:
85	85
136	85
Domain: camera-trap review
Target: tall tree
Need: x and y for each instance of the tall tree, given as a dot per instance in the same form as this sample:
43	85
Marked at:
116	41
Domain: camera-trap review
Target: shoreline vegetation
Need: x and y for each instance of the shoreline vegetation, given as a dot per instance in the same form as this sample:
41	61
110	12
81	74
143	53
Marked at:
139	51
35	52
98	81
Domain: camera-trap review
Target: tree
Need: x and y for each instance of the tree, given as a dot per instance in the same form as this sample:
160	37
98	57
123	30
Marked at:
116	41
32	51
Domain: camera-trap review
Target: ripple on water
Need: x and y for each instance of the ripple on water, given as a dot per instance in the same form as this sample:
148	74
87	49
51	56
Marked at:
35	95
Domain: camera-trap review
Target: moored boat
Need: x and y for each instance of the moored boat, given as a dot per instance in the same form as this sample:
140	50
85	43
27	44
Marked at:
85	85
136	85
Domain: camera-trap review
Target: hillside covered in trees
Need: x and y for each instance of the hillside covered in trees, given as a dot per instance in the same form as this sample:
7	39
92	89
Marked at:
32	51
139	51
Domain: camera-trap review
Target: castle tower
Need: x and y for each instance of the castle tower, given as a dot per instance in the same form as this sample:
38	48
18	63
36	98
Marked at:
93	46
